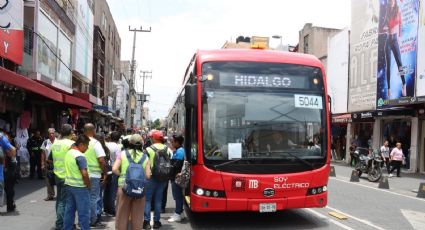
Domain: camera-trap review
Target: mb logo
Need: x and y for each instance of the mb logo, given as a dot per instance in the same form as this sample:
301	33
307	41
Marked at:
253	184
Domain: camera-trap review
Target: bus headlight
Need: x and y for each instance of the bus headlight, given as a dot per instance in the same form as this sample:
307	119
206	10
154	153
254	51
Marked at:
208	192
317	190
200	192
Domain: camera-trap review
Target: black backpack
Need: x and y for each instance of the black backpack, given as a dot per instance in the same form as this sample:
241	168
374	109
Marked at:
162	168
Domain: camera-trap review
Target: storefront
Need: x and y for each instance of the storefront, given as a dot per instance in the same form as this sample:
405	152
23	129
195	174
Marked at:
421	140
339	135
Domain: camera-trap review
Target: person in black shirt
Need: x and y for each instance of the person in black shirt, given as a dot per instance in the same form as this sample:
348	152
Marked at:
34	148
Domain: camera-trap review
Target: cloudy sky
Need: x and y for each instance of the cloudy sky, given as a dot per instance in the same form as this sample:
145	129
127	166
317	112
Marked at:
180	27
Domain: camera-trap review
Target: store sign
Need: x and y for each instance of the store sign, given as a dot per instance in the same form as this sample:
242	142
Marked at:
363	55
364	116
11	30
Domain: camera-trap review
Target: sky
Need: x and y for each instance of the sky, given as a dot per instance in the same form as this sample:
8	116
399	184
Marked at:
180	27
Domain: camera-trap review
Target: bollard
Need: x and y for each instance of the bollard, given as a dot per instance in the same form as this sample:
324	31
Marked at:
332	172
383	183
354	176
421	190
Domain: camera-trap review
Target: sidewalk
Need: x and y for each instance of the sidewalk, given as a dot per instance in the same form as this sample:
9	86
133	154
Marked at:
407	184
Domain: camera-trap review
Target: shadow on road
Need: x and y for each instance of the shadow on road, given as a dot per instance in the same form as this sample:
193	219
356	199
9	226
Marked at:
288	219
27	186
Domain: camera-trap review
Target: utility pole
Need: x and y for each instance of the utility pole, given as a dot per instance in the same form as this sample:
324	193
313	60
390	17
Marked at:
132	70
145	74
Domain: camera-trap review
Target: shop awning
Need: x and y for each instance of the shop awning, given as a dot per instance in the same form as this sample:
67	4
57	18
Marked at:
341	118
68	99
26	83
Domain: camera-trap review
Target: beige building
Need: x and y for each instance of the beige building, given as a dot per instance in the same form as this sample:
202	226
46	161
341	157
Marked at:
314	40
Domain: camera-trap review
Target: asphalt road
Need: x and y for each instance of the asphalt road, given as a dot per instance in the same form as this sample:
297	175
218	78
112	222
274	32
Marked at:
362	204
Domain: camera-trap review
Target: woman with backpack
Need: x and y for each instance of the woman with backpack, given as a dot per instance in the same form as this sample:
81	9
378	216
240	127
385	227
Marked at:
133	168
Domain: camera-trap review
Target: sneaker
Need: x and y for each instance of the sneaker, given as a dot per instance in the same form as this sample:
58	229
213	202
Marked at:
146	225
391	175
98	225
175	218
156	224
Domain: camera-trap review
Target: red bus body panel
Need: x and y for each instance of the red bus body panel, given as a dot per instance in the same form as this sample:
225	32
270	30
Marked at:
249	199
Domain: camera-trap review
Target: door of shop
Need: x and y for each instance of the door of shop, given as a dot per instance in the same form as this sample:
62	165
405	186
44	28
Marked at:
422	148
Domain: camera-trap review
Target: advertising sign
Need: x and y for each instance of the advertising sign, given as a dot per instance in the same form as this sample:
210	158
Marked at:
337	70
363	55
420	80
11	30
84	40
398	32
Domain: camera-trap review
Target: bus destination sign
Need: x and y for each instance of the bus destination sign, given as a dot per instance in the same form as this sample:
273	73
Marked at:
256	80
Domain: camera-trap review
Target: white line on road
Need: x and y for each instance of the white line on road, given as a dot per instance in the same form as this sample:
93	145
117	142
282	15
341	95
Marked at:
377	189
320	215
366	222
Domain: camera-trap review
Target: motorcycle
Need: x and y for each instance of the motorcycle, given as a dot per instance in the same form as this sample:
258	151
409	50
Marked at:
368	162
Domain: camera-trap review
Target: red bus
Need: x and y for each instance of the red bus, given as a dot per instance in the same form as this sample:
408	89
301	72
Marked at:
256	126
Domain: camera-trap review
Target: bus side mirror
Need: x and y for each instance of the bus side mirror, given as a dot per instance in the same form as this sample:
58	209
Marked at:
190	95
330	104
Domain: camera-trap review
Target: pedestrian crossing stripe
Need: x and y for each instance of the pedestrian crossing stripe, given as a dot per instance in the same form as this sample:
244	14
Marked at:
338	215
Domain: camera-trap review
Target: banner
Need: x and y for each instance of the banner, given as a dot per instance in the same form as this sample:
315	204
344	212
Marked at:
397	47
11	30
337	70
420	84
363	55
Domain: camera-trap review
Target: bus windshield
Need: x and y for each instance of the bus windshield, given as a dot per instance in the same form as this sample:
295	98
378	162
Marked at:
262	122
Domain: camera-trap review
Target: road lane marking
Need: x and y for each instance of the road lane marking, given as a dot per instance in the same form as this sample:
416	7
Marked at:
321	216
338	215
377	189
366	222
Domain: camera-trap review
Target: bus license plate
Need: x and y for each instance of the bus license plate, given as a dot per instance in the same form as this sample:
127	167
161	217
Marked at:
268	207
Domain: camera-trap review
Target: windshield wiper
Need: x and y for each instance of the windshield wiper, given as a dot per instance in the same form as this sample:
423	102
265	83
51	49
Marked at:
241	159
296	157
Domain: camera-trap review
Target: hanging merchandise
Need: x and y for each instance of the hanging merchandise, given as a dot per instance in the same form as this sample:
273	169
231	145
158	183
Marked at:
25	120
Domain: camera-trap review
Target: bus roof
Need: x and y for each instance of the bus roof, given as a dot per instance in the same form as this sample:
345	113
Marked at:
257	56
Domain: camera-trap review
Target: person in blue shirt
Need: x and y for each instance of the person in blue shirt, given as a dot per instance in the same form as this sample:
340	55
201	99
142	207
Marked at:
9	170
177	161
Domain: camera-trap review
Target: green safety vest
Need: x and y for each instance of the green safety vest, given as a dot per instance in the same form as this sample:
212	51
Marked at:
92	162
151	153
73	174
58	150
125	163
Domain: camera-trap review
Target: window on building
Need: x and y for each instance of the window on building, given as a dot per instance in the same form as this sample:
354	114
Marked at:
103	22
306	44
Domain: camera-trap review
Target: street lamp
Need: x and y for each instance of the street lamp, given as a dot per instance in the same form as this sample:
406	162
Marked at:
280	46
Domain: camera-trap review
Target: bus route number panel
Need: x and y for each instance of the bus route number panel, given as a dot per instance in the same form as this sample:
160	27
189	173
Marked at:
308	101
267	207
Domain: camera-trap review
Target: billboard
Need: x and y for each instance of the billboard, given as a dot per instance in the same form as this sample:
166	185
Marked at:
420	80
11	30
363	55
337	70
83	48
397	47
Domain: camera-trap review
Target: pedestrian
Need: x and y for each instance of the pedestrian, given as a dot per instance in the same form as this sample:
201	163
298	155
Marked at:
99	209
177	162
128	207
385	154
78	185
33	145
46	166
112	186
95	156
9	169
397	157
155	185
58	151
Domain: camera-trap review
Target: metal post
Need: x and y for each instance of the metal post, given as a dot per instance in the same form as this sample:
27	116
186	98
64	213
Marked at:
144	75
